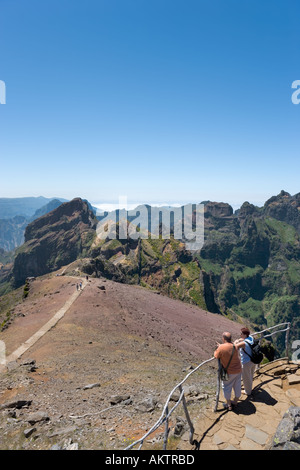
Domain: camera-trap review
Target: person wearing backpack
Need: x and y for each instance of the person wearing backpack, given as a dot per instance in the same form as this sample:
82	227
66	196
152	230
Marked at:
248	367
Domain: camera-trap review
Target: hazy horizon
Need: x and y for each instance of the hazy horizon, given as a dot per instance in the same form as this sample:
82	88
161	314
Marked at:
110	205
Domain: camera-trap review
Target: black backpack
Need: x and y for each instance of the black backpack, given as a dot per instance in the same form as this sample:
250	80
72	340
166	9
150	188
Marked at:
256	354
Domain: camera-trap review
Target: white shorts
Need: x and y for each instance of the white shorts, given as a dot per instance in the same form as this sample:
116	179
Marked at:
233	383
247	374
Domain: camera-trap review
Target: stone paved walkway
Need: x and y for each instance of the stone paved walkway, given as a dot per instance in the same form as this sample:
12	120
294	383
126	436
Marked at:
252	424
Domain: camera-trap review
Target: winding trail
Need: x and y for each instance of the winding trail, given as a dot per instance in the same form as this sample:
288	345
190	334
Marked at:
46	327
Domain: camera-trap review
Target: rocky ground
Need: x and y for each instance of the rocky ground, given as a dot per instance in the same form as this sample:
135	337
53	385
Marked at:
100	377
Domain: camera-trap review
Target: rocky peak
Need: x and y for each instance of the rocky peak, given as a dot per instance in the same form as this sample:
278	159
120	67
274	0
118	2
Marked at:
66	215
247	209
217	209
54	240
284	207
282	197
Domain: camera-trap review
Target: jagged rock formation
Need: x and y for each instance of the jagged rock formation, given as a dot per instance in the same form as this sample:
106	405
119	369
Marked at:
284	207
252	262
54	240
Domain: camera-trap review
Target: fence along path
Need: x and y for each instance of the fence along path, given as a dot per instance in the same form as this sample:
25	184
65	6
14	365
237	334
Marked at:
166	413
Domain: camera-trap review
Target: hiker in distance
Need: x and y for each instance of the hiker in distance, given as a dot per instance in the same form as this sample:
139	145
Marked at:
248	367
231	375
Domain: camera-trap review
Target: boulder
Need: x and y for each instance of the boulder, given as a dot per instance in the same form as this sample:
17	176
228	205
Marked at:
89	386
16	404
148	404
28	432
287	435
115	399
180	426
38	417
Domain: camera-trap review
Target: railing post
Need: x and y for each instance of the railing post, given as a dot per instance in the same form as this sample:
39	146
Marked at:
187	416
257	368
166	429
287	342
218	386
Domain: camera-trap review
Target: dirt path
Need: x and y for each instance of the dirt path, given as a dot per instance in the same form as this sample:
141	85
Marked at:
46	327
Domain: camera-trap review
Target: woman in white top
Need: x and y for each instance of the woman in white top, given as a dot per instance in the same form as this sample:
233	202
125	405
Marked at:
248	367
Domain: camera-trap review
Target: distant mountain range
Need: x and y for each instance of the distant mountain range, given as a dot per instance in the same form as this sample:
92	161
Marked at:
17	213
23	206
248	268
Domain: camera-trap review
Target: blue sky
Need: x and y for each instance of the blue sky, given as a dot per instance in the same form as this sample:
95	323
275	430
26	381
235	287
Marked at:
158	100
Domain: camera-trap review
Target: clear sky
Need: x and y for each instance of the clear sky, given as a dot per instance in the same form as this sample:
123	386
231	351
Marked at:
157	100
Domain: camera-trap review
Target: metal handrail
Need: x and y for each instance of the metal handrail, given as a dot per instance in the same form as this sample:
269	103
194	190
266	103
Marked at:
286	330
165	413
164	418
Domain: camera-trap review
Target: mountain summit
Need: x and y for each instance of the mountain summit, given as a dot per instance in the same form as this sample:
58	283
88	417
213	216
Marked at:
54	240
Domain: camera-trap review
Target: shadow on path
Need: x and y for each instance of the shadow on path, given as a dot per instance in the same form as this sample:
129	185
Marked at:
198	443
244	407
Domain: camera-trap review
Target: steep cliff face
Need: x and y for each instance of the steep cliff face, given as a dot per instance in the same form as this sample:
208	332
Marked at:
54	240
12	232
12	229
251	263
284	207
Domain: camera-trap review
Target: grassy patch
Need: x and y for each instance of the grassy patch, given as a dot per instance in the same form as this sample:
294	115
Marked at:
7	304
209	266
287	233
252	310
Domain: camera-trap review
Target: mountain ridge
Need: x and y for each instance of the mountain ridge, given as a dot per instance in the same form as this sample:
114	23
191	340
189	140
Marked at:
247	269
23	206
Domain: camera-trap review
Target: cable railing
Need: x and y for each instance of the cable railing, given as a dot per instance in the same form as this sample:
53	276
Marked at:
166	412
286	330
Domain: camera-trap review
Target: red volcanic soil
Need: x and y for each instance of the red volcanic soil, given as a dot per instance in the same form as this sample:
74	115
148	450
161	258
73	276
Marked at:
128	340
107	306
138	311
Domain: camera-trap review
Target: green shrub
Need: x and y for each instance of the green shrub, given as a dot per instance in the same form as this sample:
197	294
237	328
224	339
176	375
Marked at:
26	290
